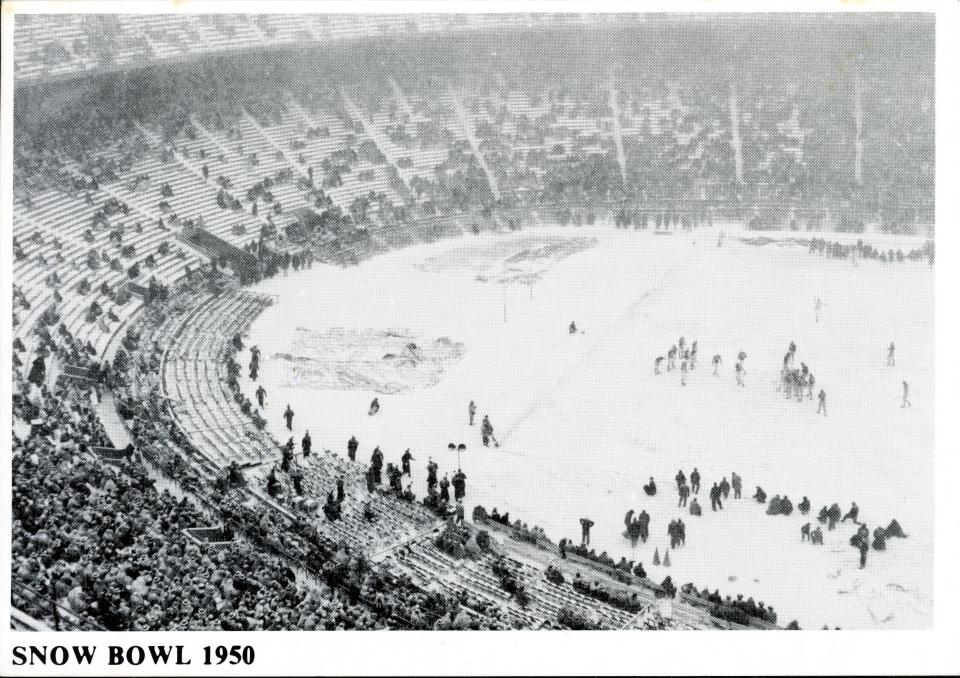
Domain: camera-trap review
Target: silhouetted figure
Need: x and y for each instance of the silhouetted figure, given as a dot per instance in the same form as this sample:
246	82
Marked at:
306	444
816	537
724	487
486	432
715	502
737	483
585	525
894	530
459	485
376	463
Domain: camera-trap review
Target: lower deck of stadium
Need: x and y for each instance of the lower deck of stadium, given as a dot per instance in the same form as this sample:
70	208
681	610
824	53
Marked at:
583	421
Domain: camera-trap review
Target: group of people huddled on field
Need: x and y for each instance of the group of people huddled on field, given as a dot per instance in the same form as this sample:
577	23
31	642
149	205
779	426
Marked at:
682	357
831	517
862	250
637	525
686	354
797	381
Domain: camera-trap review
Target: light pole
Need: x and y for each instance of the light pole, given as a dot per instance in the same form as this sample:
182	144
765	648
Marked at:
459	448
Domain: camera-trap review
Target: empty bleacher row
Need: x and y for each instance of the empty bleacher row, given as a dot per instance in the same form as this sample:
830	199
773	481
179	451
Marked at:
195	380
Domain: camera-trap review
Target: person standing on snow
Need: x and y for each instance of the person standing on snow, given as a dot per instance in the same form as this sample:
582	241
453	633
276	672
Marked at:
486	432
695	481
724	487
737	483
585	525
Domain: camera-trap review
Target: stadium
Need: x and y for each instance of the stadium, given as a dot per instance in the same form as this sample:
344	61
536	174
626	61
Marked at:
386	321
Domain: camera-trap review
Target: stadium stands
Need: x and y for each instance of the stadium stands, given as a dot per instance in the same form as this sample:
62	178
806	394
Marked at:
268	155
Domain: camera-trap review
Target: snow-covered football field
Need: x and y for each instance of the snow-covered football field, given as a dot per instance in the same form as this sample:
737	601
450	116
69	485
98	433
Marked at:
583	421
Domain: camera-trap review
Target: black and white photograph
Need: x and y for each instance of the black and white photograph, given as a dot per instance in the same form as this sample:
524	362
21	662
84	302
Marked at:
332	320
